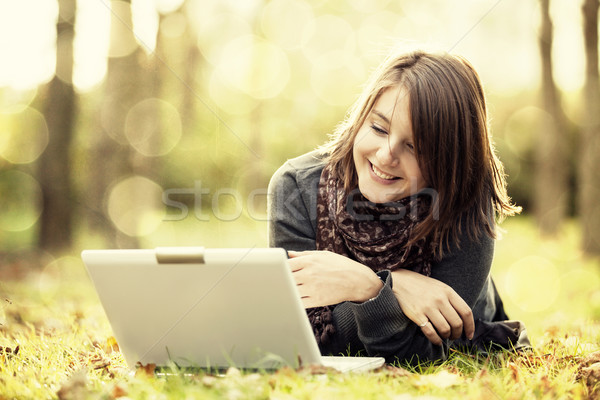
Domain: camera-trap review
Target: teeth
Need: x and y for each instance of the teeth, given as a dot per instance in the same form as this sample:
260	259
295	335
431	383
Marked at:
381	174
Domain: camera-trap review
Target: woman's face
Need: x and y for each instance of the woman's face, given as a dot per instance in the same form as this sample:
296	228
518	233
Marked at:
384	154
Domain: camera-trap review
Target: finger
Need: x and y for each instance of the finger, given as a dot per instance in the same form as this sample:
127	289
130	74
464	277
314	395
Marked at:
441	325
309	302
306	301
431	334
465	313
453	321
295	264
301	290
299	276
292	253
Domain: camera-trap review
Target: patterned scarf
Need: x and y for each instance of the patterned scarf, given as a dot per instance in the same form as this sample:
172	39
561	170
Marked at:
375	235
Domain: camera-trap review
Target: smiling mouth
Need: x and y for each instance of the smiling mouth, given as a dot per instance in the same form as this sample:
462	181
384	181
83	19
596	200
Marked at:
382	174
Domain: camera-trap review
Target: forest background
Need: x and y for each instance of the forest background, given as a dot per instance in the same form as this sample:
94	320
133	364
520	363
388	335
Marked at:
159	123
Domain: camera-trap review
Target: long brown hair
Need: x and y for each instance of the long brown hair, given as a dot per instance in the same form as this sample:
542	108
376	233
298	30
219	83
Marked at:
453	144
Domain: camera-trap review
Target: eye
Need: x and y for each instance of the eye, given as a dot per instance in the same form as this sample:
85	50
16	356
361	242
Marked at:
410	146
378	129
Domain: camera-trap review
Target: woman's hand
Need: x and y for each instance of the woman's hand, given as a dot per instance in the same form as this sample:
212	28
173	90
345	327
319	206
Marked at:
433	305
326	278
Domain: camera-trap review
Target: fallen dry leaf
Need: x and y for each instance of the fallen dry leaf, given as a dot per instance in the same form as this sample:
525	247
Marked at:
8	351
514	371
553	331
546	384
118	391
313	369
111	345
590	376
482	374
283	372
396	372
286	371
209	380
146	370
590	359
98	362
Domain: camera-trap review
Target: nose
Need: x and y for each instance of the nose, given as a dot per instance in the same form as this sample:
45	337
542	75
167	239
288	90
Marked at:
386	155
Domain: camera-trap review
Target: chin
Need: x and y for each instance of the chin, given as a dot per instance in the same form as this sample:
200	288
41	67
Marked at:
380	198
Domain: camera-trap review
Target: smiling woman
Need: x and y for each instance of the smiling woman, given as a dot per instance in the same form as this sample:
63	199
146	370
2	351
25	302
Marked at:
384	158
391	225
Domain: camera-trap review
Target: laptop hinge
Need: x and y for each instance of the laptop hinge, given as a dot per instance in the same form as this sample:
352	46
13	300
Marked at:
179	255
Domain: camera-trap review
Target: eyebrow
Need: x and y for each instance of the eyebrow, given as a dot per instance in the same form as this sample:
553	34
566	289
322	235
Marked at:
381	115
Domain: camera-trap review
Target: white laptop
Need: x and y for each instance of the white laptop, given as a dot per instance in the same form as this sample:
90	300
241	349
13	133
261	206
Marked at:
208	308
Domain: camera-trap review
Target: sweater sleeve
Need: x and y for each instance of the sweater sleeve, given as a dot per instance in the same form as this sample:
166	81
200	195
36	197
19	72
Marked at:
377	327
381	327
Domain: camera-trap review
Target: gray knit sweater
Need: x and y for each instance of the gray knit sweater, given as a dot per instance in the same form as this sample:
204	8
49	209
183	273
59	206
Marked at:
377	327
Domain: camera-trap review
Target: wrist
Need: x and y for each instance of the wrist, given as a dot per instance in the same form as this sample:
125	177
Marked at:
371	288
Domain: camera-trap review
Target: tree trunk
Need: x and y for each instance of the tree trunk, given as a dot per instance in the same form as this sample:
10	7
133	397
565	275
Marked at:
551	164
589	160
189	97
112	156
54	166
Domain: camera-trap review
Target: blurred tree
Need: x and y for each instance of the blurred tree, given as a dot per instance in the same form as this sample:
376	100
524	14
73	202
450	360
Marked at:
111	155
589	160
54	165
193	63
549	198
149	126
255	179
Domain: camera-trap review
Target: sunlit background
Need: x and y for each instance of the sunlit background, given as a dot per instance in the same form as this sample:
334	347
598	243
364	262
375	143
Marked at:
230	89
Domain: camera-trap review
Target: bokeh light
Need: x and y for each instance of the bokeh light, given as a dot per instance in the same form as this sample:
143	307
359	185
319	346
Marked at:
255	66
167	6
306	104
27	42
153	127
90	47
520	133
339	86
380	32
228	98
229	27
15	101
533	284
135	205
568	48
23	136
368	6
20	201
283	22
122	40
331	44
173	25
144	24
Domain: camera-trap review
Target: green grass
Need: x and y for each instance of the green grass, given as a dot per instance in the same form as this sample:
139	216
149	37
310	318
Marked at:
64	341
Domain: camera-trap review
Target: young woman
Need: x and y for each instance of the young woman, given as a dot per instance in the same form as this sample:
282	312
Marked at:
390	226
